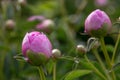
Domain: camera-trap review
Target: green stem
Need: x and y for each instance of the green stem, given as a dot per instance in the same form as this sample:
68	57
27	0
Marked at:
107	58
2	66
67	58
95	69
115	49
41	72
54	71
113	75
101	63
63	9
76	65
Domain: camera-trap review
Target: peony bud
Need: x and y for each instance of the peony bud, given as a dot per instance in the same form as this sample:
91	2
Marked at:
101	2
56	53
10	24
98	24
46	25
81	49
118	19
22	2
36	45
33	18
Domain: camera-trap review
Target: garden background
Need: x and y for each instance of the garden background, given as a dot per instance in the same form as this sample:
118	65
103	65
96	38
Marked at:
68	17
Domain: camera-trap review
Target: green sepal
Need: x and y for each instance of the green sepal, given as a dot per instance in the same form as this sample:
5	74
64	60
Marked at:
102	32
20	57
36	59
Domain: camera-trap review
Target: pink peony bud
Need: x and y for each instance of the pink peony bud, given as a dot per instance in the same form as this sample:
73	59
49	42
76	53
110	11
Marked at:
98	23
37	43
39	18
45	25
101	2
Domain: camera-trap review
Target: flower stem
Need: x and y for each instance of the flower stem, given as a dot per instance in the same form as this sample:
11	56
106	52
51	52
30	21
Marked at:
101	63
95	69
41	72
69	58
107	57
54	71
115	49
2	66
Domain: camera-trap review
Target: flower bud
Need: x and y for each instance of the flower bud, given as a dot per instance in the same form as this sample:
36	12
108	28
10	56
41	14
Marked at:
118	19
98	24
22	2
46	26
10	24
81	49
33	18
101	2
36	44
56	53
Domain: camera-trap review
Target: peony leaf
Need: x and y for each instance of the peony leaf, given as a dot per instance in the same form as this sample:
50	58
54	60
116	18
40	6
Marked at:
76	73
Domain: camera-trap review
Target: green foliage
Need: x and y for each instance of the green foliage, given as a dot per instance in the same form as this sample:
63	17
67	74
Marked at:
76	73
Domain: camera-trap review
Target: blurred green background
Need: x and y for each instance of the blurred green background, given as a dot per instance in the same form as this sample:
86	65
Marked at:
68	17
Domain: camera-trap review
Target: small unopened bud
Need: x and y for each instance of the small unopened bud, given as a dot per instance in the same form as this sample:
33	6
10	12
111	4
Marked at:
100	3
22	2
81	49
56	53
118	19
10	24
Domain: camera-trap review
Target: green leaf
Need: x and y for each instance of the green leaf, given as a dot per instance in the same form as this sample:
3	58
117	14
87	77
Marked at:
76	73
85	64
